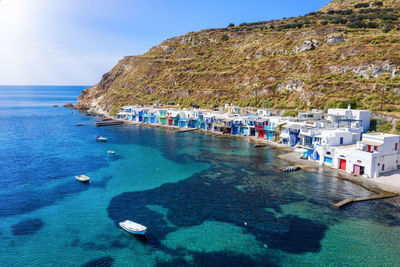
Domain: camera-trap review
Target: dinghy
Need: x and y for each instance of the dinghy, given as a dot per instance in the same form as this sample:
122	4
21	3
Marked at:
101	139
82	178
133	228
111	152
79	124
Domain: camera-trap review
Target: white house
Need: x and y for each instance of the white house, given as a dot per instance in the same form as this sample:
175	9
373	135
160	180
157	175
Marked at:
311	115
232	110
354	118
264	112
321	141
376	153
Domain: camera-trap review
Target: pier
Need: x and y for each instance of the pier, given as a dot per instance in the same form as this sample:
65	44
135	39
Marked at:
372	197
108	123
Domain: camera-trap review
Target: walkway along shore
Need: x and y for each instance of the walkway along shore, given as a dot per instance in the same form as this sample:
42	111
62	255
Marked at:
380	190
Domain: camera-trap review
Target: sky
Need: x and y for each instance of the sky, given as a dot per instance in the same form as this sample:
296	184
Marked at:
74	42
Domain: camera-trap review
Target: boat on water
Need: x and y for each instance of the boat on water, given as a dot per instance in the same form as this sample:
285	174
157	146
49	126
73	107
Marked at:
83	178
111	152
79	124
101	139
133	228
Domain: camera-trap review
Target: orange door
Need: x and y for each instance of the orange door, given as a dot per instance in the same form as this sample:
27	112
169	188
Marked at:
342	164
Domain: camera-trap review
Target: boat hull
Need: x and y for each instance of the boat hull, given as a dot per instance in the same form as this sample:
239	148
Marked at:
143	232
85	181
136	232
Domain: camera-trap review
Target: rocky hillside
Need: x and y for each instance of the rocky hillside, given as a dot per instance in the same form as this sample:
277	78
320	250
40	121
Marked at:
347	52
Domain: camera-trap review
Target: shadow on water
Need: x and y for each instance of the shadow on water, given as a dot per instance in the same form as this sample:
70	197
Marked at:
27	201
218	259
100	262
27	227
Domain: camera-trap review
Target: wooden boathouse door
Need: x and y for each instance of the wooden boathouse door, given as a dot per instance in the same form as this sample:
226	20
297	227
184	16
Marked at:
342	164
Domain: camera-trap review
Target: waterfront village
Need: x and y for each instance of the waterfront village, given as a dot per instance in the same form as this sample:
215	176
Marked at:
337	139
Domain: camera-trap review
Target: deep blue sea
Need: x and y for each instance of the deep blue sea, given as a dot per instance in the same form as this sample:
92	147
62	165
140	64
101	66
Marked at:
206	200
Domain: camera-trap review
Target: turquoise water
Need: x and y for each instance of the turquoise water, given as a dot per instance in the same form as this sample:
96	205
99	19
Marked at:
207	201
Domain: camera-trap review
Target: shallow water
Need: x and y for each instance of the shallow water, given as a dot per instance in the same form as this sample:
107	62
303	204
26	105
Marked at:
206	200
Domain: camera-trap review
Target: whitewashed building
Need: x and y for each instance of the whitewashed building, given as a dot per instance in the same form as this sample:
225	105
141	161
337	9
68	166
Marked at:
354	118
311	115
375	154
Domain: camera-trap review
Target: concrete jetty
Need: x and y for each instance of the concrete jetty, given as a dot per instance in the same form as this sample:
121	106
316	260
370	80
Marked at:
372	197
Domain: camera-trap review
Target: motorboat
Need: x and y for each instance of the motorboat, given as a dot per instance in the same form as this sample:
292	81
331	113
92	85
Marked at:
79	124
101	139
111	152
82	178
133	228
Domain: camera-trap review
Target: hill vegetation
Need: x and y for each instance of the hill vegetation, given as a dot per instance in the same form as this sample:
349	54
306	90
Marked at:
348	52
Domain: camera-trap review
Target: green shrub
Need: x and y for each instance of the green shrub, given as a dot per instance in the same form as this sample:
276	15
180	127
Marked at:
225	38
380	125
378	3
290	113
387	28
386	16
360	5
344	104
231	25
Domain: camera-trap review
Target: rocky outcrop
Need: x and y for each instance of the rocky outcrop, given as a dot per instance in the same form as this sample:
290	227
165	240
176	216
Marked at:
69	105
293	85
309	45
368	71
335	39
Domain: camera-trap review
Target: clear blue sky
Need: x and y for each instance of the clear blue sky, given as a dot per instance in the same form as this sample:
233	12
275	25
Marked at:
76	41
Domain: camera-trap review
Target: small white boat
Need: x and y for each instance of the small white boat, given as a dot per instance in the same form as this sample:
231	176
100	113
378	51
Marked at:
111	152
133	228
101	139
82	178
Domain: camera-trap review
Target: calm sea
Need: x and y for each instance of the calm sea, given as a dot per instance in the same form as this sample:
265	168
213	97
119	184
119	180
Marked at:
207	201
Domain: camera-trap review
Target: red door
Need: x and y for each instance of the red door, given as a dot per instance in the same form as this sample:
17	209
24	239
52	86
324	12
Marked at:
342	164
261	134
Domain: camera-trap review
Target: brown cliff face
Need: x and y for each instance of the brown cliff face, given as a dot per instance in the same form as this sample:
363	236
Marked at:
317	61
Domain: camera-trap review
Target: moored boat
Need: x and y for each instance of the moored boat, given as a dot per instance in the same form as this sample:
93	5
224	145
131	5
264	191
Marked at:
133	228
82	178
111	152
101	139
79	124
